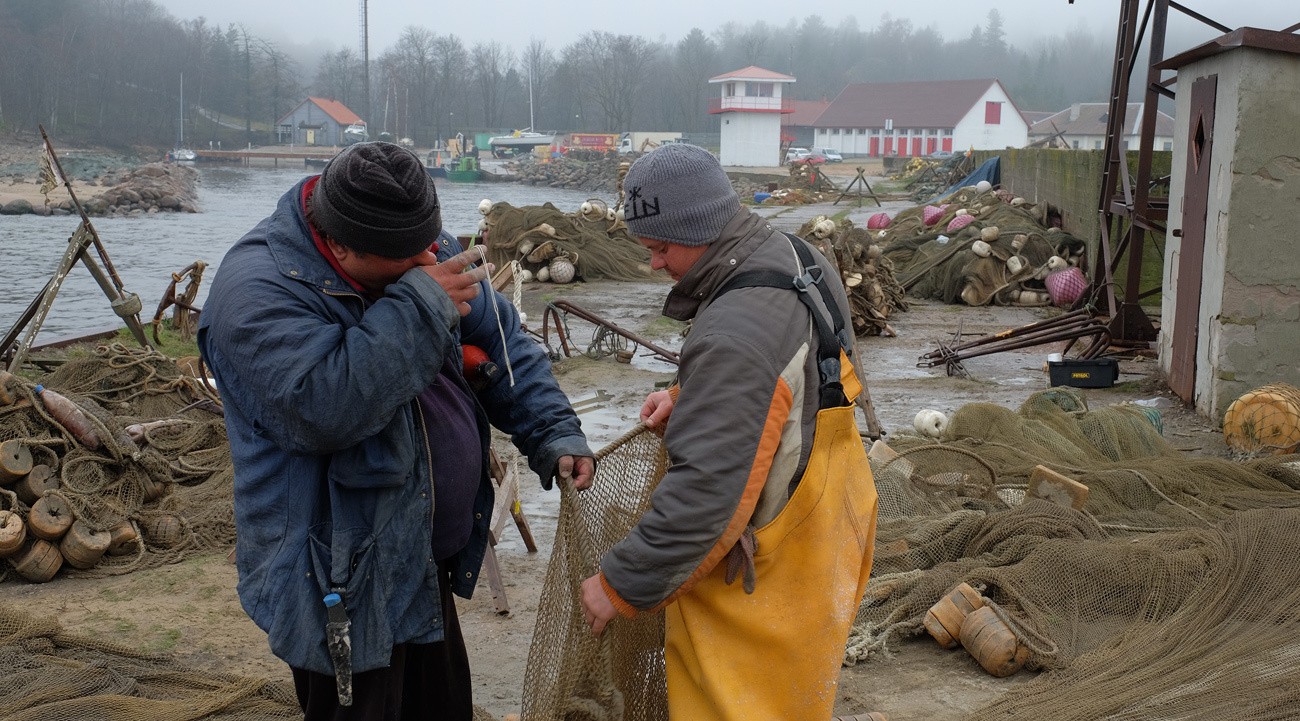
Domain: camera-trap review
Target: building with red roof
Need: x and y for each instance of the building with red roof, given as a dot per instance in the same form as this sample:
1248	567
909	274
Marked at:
316	121
920	118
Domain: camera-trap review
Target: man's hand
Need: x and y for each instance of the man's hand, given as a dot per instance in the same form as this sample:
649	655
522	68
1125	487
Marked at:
461	285
656	409
579	469
596	607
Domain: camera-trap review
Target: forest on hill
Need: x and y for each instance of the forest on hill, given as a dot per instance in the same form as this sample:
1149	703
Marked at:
110	72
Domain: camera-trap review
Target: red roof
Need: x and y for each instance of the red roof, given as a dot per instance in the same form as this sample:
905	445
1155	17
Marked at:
805	112
336	110
923	104
753	72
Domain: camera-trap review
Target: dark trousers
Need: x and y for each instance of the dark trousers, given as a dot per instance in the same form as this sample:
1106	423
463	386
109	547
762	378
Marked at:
424	681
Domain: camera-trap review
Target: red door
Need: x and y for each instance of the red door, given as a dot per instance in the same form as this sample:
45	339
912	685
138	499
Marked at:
1191	251
916	147
889	145
875	147
947	144
930	144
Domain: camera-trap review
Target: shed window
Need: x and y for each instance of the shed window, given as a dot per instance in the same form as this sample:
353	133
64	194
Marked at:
992	113
758	90
729	89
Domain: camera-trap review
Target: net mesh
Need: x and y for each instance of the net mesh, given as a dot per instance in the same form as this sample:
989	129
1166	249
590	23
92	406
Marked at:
571	674
1170	595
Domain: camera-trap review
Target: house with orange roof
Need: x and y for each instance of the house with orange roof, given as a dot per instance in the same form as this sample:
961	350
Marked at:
920	118
316	121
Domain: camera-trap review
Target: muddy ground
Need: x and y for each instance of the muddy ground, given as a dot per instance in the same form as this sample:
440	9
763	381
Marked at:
190	609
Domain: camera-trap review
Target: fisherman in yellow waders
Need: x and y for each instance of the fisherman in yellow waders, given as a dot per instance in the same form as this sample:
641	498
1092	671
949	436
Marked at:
758	541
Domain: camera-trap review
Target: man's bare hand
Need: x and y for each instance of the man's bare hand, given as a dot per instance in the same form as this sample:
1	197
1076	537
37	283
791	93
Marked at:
461	285
578	468
656	409
596	607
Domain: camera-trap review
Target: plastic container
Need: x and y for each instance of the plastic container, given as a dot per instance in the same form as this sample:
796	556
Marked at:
1077	373
760	197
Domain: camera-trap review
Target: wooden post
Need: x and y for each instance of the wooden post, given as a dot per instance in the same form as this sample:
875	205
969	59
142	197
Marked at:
861	178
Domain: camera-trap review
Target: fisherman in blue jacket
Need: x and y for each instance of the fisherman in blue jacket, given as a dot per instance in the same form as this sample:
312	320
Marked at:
334	330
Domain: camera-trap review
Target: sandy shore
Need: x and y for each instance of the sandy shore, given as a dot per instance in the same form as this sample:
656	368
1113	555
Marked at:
30	191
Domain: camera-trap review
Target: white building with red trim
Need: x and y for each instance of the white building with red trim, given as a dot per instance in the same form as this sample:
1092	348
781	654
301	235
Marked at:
920	118
749	107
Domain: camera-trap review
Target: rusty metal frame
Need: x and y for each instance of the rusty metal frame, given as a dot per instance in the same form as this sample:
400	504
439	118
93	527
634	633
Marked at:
1127	210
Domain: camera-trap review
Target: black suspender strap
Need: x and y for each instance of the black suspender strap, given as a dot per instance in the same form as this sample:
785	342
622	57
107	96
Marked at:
830	338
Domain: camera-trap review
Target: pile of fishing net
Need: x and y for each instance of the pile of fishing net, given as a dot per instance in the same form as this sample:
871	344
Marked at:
868	276
1168	593
552	245
130	470
983	246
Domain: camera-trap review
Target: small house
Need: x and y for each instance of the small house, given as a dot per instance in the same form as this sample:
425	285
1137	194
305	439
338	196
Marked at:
1082	126
316	121
750	105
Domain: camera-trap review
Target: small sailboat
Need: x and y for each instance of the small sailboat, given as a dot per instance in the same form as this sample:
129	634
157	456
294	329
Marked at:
182	154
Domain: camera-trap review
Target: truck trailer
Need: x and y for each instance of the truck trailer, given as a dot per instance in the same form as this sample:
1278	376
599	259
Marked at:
637	141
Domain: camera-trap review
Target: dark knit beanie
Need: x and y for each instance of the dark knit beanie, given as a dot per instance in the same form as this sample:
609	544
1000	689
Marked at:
378	198
678	193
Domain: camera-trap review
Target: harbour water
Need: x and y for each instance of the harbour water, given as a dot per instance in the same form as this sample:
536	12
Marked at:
147	250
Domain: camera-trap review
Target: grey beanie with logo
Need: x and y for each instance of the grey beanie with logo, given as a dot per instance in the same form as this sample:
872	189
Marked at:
678	193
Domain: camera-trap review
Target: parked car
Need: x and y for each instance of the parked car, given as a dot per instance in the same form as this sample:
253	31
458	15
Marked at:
793	153
810	159
941	154
832	155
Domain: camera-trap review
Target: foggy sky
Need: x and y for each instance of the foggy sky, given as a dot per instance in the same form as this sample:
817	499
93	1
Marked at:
332	24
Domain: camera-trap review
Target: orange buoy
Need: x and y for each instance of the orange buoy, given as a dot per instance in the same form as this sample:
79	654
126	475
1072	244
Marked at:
34	485
12	533
15	461
944	619
39	561
992	643
50	518
1266	419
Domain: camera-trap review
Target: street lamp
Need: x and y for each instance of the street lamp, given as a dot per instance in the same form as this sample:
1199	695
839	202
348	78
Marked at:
576	119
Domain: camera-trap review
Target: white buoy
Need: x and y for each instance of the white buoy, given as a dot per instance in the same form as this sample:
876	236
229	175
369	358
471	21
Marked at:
561	270
981	249
983	186
543	274
989	234
526	247
961	211
484	206
1017	202
482	225
930	423
525	276
1056	262
585	208
1018	242
1015	264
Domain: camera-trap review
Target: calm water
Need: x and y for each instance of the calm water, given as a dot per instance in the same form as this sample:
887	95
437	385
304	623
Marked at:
147	250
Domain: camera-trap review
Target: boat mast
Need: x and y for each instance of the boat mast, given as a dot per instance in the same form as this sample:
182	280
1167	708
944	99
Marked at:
180	129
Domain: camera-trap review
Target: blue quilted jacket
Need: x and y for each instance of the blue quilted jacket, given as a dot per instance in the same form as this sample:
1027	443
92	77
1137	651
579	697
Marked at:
333	488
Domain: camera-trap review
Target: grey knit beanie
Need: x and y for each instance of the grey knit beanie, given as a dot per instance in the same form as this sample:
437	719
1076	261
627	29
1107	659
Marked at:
678	193
378	198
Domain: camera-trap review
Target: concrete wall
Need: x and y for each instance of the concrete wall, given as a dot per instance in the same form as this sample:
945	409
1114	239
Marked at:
1249	324
750	140
1069	180
972	132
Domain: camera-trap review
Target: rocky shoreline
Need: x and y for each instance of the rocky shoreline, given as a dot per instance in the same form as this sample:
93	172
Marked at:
107	183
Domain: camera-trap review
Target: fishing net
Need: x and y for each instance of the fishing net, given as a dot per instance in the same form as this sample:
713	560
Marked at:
593	239
54	675
160	483
1174	581
874	293
572	675
936	255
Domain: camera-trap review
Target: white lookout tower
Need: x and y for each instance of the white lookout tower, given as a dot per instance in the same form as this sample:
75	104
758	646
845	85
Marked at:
751	105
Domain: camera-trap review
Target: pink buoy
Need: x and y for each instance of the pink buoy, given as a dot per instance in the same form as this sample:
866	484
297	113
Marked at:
960	222
931	215
1066	286
879	221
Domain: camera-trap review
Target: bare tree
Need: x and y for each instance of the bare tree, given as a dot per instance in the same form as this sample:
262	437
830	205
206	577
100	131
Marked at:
612	72
490	62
